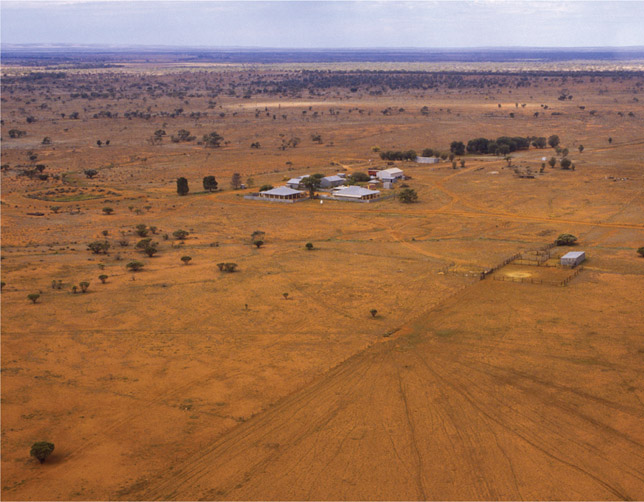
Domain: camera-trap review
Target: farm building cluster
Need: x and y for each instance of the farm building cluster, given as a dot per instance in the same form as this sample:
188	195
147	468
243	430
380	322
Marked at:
334	187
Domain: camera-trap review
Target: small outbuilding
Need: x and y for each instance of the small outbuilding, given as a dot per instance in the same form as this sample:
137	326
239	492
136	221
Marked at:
296	183
573	258
331	181
427	160
356	193
282	194
392	174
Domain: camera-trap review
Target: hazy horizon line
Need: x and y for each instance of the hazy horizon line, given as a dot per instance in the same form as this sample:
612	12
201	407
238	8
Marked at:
348	48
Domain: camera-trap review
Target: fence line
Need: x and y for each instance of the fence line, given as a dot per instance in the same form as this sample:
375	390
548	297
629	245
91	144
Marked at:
531	280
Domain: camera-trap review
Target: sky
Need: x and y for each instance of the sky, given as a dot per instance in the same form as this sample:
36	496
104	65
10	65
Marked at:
325	24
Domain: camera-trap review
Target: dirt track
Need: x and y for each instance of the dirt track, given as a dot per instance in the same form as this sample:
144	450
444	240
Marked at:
440	413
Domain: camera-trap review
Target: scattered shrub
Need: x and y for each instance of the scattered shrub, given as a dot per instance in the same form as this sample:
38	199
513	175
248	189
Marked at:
41	450
565	240
134	266
408	195
33	297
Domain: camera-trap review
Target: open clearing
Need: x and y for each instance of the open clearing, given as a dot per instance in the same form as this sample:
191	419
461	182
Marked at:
183	382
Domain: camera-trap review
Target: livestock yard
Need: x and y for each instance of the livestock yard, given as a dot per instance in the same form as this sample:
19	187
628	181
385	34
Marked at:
388	359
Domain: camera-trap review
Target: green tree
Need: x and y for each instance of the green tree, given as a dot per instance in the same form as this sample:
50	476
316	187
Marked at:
181	235
552	162
236	181
640	251
580	148
373	312
134	266
103	278
41	450
258	244
264	188
312	183
212	140
408	195
98	247
108	210
182	186
457	148
553	141
33	297
539	142
186	259
90	173
565	163
565	240
84	285
359	177
141	230
309	246
210	183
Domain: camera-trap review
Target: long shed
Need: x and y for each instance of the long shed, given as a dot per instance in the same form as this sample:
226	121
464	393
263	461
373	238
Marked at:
573	258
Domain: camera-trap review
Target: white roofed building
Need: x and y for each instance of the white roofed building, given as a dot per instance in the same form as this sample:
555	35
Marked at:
282	193
331	181
391	174
355	193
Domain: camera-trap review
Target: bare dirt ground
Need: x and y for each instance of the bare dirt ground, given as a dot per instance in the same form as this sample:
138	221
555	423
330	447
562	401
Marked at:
182	382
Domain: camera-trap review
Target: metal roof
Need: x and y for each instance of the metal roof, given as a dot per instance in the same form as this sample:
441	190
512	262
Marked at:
355	191
281	191
574	254
333	178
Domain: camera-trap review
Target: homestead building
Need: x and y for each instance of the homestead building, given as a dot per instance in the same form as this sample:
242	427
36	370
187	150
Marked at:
282	194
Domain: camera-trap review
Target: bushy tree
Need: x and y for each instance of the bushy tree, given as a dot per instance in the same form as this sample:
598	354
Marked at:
83	286
41	450
236	181
98	247
108	210
640	251
227	267
373	312
212	140
180	234
141	230
134	266
210	183
258	244
90	173
186	259
33	297
359	177
408	195
264	188
309	246
103	278
565	240
457	148
182	186
312	183
553	141
565	163
539	142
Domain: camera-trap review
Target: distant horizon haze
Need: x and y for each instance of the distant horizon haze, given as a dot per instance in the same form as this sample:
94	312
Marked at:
326	25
